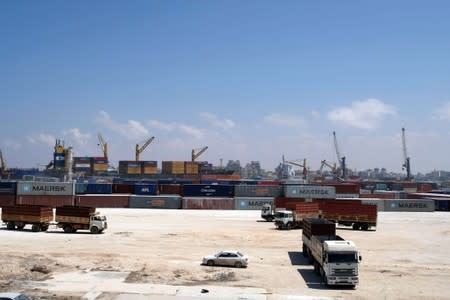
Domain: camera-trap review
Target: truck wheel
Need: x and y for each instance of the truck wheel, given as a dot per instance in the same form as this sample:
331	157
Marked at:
67	228
44	227
356	226
365	226
94	229
21	226
210	263
74	230
288	226
10	226
36	228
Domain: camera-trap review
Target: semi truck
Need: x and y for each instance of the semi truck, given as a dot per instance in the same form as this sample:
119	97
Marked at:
350	213
293	219
336	260
268	212
19	216
71	219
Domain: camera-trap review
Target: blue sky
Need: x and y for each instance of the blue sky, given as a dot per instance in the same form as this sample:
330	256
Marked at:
253	80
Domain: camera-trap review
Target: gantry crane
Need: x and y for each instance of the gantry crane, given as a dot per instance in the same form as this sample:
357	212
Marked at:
197	152
406	164
341	159
103	145
142	148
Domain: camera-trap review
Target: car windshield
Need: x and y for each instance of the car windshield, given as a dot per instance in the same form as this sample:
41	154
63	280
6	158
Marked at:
240	254
342	258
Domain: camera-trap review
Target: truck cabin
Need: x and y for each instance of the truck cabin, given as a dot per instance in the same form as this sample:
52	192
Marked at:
98	218
283	214
340	251
266	209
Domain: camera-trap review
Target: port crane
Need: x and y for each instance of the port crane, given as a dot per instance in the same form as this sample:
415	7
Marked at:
103	145
341	159
406	165
305	170
142	148
197	152
324	163
2	163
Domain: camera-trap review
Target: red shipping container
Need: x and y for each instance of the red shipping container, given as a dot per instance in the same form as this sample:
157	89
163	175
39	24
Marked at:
169	189
345	188
122	188
208	203
45	200
268	182
7	200
107	201
287	203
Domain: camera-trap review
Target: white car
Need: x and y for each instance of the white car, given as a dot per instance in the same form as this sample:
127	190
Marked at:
226	258
13	296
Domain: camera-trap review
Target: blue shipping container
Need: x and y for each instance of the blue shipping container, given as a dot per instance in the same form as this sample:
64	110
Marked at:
99	188
146	189
205	190
81	188
8	188
441	205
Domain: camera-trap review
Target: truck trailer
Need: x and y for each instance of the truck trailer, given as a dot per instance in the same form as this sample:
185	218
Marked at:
335	259
19	216
71	219
350	213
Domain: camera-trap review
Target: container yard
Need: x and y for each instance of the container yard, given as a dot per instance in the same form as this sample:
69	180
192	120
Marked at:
159	251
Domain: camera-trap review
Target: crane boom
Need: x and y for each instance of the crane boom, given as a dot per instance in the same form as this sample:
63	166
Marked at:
3	163
142	148
103	145
406	164
341	159
195	154
305	170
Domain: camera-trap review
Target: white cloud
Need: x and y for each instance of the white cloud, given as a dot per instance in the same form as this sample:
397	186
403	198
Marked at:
315	114
177	127
284	120
362	114
190	130
44	138
161	125
77	137
443	113
225	124
132	129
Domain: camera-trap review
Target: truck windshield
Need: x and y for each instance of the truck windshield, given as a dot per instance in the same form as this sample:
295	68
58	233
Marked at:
281	215
342	258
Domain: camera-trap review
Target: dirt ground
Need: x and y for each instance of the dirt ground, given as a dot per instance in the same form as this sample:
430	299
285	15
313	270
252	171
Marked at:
407	257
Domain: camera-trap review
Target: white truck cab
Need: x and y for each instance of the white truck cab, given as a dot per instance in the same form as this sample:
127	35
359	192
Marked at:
340	262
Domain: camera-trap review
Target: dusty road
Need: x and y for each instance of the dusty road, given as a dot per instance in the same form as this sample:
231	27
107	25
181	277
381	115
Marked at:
149	251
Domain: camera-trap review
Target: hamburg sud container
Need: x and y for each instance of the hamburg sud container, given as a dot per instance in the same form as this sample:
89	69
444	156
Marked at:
309	191
205	190
257	191
110	201
252	203
161	201
207	203
146	189
417	205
